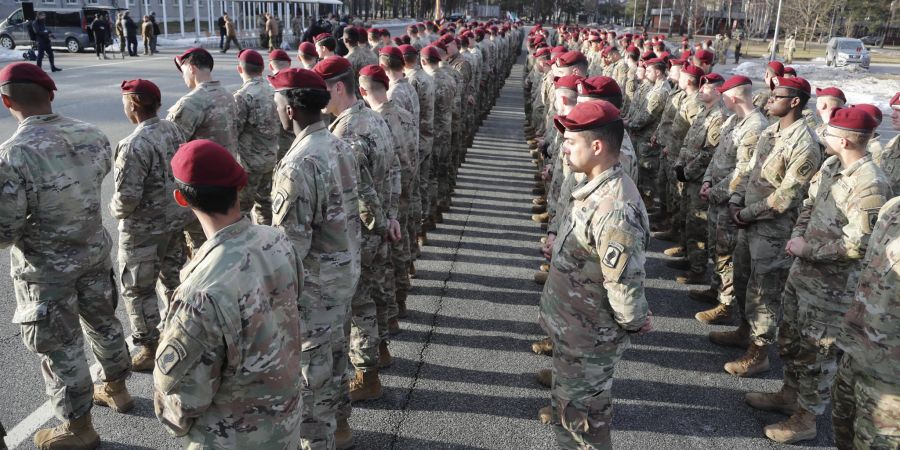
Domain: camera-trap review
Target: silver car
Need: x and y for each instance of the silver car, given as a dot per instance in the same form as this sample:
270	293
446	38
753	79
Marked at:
845	51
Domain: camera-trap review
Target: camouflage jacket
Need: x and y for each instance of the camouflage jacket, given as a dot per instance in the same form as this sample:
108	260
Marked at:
227	373
360	57
257	123
207	112
628	157
308	204
889	161
630	88
51	171
739	138
645	115
778	174
371	141
445	95
143	178
405	161
871	329
404	96
424	87
836	220
701	139
663	130
687	113
620	72
595	289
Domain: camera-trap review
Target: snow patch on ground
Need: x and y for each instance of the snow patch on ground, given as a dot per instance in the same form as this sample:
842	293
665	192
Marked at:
858	84
12	55
187	41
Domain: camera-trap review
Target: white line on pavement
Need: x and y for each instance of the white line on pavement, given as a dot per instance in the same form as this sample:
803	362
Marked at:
29	425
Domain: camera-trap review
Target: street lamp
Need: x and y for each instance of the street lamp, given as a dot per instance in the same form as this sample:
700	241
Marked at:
775	38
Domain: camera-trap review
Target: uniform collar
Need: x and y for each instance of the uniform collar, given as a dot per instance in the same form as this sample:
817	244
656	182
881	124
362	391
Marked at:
151	121
42	118
354	108
221	236
252	80
310	129
584	191
849	171
791	129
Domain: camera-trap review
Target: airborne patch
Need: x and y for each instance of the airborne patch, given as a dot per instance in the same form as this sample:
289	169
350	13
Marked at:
613	253
170	357
805	169
278	202
873	218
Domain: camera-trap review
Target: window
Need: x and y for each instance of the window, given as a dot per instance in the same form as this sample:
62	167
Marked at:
187	2
68	19
93	2
48	2
162	2
71	2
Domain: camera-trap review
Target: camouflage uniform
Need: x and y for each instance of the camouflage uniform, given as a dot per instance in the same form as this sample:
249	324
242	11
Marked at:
888	159
257	121
52	170
684	118
593	297
207	112
739	138
396	277
226	372
699	143
630	88
151	238
311	208
866	391
619	72
770	190
424	175
836	220
367	134
445	95
663	140
462	73
642	122
360	57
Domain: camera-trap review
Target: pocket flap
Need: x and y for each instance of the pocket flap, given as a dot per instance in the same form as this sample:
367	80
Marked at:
30	312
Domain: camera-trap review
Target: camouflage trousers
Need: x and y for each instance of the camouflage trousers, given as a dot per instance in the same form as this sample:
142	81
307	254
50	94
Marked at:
425	182
442	170
722	240
256	197
364	337
324	366
695	232
675	203
53	316
456	148
143	259
662	185
384	292
581	392
648	167
760	271
397	280
866	411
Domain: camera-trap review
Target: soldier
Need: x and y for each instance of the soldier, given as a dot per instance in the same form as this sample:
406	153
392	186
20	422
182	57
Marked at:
740	133
661	138
764	205
827	100
206	112
699	143
642	121
226	373
316	206
704	59
367	134
393	256
865	391
467	87
889	157
401	92
358	56
594	293
790	46
279	60
828	243
307	55
52	170
761	96
445	94
151	237
256	123
325	45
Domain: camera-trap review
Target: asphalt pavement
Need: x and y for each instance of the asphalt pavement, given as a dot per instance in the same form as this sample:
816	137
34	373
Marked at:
463	372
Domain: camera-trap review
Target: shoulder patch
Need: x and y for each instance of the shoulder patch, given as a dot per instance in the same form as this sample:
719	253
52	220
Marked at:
805	169
169	357
613	254
278	202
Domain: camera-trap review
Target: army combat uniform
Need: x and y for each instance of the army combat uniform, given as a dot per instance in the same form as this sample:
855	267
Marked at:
227	375
644	117
445	95
423	83
52	169
257	122
592	299
151	238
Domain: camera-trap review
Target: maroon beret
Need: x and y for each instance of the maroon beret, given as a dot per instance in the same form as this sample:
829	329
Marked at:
664	55
873	111
709	42
852	119
140	86
189	52
279	55
648	55
432	53
599	87
711	78
22	72
571	58
594	38
796	83
374	32
790	70
332	66
587	116
407	49
398	40
541	52
321	37
558	49
568	82
694	71
895	100
376	73
308	49
652	61
297	79
705	56
776	67
204	163
440	44
392	52
733	82
831	92
251	56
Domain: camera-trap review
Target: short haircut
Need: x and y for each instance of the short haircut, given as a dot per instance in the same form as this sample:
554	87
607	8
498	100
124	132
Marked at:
209	199
250	68
349	80
201	60
611	135
391	62
832	102
328	43
431	60
280	65
147	104
660	66
859	139
351	36
804	99
307	100
25	93
411	58
371	85
743	91
583	67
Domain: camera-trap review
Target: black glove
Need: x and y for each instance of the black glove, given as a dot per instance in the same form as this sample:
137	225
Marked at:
679	174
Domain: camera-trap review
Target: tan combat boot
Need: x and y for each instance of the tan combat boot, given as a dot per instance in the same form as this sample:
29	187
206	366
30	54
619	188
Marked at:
422	240
538	177
401	304
543	347
784	401
144	359
113	394
540	277
537	209
76	434
666	235
708	295
343	435
412	266
366	386
545	267
545	415
692	278
754	361
544	377
539	201
543	217
801	426
675	252
384	356
720	315
738	337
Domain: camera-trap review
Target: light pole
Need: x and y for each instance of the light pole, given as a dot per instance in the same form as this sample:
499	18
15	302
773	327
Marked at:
634	14
775	38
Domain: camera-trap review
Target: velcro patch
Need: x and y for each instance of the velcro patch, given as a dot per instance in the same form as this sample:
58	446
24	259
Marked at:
613	253
805	169
171	355
278	202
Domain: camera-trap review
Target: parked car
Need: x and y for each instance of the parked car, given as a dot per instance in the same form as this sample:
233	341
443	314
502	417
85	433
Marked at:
69	26
869	40
844	51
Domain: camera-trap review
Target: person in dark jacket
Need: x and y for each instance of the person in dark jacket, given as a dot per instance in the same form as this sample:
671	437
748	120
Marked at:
156	32
100	31
220	22
130	34
43	36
